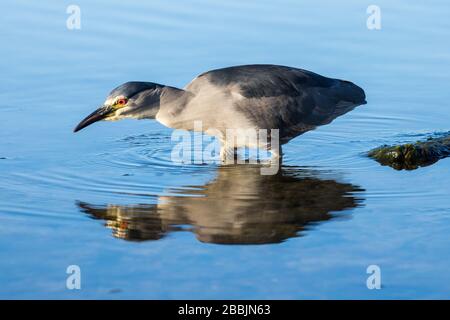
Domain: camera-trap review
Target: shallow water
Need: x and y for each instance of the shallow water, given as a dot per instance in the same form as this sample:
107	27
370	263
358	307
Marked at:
139	226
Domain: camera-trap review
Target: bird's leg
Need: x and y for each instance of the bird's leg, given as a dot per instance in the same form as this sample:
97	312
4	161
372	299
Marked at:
275	160
276	153
227	154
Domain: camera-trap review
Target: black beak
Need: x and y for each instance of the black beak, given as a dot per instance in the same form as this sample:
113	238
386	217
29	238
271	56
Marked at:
99	114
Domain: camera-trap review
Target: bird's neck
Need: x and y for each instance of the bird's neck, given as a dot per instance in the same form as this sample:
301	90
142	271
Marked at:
172	97
172	103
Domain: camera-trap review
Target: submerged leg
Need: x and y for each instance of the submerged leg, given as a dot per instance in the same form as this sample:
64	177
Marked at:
275	161
227	154
276	153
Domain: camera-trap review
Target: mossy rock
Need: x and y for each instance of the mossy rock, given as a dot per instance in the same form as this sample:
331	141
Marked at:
411	156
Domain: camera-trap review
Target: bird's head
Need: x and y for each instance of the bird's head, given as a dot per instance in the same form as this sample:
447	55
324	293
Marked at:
130	100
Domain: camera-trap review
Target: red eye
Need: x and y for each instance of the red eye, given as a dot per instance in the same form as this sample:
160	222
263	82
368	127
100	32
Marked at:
122	101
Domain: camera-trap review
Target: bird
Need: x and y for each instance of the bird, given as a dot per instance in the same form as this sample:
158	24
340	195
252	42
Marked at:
246	97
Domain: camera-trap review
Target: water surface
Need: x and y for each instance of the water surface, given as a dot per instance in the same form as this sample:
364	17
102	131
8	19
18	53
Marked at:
139	226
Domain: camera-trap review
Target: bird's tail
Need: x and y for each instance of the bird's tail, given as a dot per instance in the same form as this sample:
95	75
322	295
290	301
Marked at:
350	92
334	101
347	97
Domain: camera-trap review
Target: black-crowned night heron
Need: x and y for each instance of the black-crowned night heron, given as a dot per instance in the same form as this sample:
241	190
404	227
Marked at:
253	97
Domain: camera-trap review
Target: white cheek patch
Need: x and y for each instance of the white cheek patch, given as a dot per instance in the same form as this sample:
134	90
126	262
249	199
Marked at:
118	114
111	119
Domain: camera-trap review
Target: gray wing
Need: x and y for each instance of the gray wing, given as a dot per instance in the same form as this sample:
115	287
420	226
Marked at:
289	99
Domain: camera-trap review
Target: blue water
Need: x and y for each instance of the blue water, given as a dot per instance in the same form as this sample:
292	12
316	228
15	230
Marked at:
109	200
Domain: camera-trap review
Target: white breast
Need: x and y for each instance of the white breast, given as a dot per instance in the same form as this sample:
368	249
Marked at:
212	105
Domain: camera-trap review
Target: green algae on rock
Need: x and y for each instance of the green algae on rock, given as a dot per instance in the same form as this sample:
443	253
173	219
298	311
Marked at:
411	156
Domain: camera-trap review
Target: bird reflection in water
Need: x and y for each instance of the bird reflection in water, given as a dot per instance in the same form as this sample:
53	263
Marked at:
240	206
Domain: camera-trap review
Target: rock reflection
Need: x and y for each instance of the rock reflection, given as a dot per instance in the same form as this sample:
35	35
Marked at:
240	206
